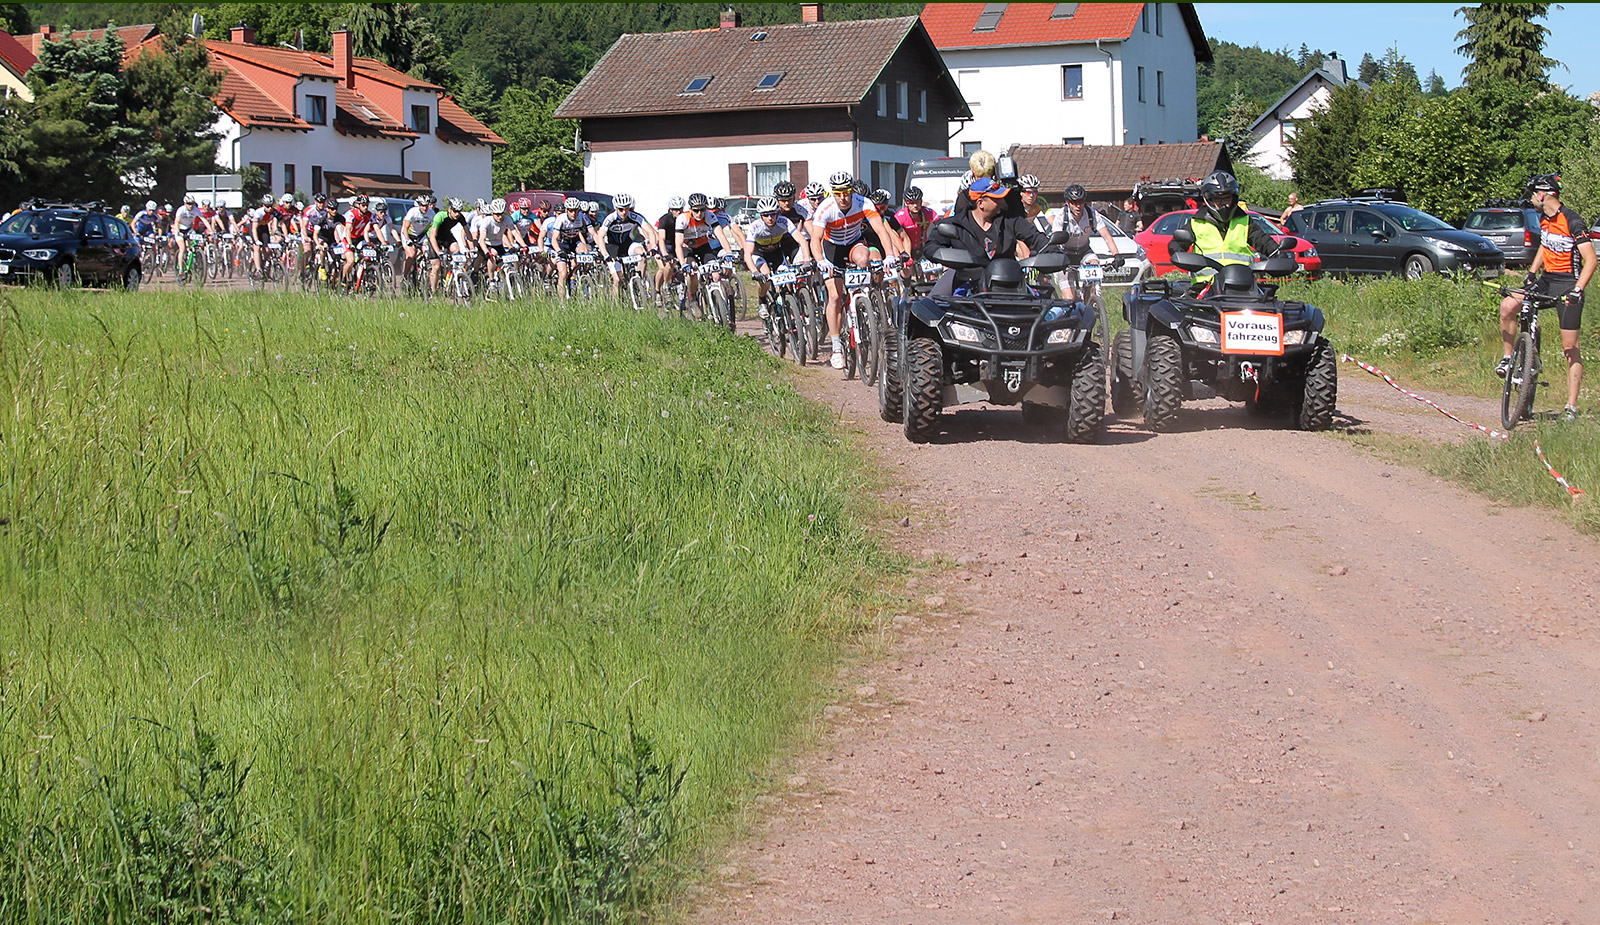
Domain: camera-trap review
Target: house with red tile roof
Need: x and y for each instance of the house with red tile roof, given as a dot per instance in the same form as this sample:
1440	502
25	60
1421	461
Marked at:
341	124
131	36
15	61
1071	73
735	110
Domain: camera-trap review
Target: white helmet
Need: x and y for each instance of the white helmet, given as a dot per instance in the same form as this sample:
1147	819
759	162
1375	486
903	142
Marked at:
843	180
675	203
206	202
266	200
569	203
150	204
498	207
456	205
623	201
591	207
285	199
188	199
767	206
1028	181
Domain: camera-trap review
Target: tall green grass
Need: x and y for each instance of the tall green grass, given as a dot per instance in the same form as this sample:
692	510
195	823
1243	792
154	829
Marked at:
329	611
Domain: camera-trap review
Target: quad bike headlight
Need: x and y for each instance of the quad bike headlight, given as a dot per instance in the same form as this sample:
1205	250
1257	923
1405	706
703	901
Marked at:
1062	336
1203	335
965	333
1294	338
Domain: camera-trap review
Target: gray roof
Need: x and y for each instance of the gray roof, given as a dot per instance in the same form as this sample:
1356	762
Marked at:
1334	80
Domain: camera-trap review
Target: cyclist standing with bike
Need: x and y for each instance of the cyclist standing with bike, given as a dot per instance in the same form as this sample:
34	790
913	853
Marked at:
1561	234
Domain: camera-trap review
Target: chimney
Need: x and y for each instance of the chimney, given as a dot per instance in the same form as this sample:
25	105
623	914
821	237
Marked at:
242	35
342	70
48	32
811	12
730	19
1334	65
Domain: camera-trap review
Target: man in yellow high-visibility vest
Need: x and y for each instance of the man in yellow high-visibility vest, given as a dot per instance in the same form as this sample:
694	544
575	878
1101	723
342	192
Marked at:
1222	230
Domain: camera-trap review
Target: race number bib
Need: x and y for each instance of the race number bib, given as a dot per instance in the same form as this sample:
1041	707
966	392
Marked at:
784	277
1090	273
1257	333
857	279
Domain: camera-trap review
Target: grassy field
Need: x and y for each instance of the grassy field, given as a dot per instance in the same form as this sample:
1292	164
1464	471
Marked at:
328	611
1443	333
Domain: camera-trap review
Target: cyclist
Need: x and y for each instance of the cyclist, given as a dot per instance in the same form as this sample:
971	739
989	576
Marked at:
447	235
566	236
914	219
667	226
699	239
316	232
836	238
884	203
1561	234
816	195
797	213
983	228
771	240
414	230
183	222
494	233
259	226
144	221
614	236
1033	203
1219	229
352	233
383	233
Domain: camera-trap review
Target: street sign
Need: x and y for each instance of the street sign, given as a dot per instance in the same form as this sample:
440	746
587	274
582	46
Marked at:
211	182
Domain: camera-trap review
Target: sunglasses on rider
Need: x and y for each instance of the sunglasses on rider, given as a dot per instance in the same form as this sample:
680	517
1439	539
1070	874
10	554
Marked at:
698	209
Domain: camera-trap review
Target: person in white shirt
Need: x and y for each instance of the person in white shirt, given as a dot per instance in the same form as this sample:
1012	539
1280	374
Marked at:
183	222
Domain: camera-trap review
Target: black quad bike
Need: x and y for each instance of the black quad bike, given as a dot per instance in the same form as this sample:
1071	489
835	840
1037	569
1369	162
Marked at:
1001	343
1237	339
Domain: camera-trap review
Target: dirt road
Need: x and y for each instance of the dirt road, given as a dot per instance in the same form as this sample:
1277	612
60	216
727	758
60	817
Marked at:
1232	674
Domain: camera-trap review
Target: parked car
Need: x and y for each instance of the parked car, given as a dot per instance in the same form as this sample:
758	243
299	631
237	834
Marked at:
1512	228
1157	242
556	196
68	243
742	209
1374	235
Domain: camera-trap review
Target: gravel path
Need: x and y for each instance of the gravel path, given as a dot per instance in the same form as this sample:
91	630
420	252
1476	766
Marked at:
1234	674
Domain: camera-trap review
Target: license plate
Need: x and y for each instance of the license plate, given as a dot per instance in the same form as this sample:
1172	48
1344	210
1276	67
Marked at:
369	252
5	268
1090	274
585	259
928	266
857	279
785	277
511	258
1254	333
632	260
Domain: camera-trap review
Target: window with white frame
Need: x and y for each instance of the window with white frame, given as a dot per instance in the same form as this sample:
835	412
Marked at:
1072	81
922	105
902	99
969	148
883	100
763	177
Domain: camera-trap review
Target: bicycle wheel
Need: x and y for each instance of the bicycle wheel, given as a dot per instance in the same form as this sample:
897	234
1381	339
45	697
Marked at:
1522	381
867	325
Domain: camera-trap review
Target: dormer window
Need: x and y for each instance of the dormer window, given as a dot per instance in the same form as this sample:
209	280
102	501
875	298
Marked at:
697	85
317	110
989	19
1064	11
769	80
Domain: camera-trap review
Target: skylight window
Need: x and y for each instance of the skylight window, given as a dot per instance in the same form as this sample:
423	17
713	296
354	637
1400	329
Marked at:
1064	11
698	84
769	80
989	19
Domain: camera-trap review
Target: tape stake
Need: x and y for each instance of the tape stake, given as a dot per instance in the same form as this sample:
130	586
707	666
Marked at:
1572	490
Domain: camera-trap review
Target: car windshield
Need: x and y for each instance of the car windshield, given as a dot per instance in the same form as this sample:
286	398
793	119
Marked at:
43	224
1412	220
1494	221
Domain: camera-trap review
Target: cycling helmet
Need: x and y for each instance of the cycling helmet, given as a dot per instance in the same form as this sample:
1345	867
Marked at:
188	199
862	190
784	190
498	207
456	205
843	180
715	203
321	199
205	203
881	198
767	206
524	203
697	200
151	204
1076	193
361	202
1028	181
266	200
285	199
815	190
1546	182
167	207
913	194
591	207
380	205
675	204
623	201
569	204
421	201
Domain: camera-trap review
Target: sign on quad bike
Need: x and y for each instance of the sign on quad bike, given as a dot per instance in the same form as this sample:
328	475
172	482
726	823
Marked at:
1237	340
1002	343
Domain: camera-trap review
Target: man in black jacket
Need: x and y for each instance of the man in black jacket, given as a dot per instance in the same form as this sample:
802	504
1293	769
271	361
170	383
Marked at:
985	232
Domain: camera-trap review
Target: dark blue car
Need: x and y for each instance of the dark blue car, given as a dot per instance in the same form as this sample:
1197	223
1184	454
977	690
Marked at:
68	244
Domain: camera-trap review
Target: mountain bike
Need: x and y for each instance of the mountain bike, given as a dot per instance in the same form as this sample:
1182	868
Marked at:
193	268
860	320
787	332
1522	379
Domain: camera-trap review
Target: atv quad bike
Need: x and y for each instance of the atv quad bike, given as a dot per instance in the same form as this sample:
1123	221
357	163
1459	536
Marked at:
1001	343
1237	340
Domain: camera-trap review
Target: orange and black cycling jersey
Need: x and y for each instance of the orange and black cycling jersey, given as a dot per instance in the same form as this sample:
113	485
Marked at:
1559	237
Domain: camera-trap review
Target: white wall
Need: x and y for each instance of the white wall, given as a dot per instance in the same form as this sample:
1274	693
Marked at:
1270	152
654	176
1015	93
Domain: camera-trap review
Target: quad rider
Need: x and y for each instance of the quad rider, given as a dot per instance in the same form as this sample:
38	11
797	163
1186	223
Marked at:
1219	229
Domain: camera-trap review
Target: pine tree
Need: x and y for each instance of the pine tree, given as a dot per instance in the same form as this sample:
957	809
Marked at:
78	143
1234	126
1370	71
1503	42
168	98
1435	85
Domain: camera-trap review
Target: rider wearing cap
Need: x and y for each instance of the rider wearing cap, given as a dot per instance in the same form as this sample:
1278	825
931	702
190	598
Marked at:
1219	229
985	231
1562	233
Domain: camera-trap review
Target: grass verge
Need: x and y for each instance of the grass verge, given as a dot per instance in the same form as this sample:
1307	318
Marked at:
333	611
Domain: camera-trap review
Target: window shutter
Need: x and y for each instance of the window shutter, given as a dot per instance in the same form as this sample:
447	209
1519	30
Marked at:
738	179
799	174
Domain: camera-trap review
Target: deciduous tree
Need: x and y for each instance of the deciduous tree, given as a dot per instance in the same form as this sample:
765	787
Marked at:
533	157
168	99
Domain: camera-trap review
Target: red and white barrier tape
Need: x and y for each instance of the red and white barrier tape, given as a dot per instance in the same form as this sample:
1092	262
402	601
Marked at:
1560	480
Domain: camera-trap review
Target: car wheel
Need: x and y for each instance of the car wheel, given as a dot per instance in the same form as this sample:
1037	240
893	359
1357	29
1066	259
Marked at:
1417	266
66	276
131	278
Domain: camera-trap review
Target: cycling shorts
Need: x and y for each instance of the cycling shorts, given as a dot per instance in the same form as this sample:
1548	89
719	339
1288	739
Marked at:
705	253
263	234
785	250
839	254
871	238
617	247
1559	284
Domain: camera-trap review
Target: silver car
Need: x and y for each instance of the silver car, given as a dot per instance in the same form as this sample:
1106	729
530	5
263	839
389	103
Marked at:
1513	229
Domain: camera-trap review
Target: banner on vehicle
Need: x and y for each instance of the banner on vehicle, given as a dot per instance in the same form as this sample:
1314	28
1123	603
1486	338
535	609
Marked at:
1256	333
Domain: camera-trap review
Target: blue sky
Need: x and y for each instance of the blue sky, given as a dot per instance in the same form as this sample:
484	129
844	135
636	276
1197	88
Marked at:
1425	33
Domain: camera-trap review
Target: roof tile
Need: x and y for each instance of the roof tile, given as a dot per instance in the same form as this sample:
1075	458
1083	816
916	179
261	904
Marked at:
15	54
1117	167
950	24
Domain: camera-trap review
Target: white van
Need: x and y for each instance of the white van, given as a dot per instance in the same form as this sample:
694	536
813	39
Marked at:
939	178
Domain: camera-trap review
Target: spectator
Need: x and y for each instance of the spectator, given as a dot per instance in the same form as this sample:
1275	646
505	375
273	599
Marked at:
1130	222
1294	206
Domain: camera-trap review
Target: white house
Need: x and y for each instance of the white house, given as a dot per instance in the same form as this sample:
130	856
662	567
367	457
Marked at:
1270	134
341	124
735	110
1071	73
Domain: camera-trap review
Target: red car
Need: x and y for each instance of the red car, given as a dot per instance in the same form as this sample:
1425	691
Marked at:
1157	241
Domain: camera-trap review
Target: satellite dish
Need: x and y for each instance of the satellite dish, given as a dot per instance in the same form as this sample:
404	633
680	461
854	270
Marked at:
197	25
